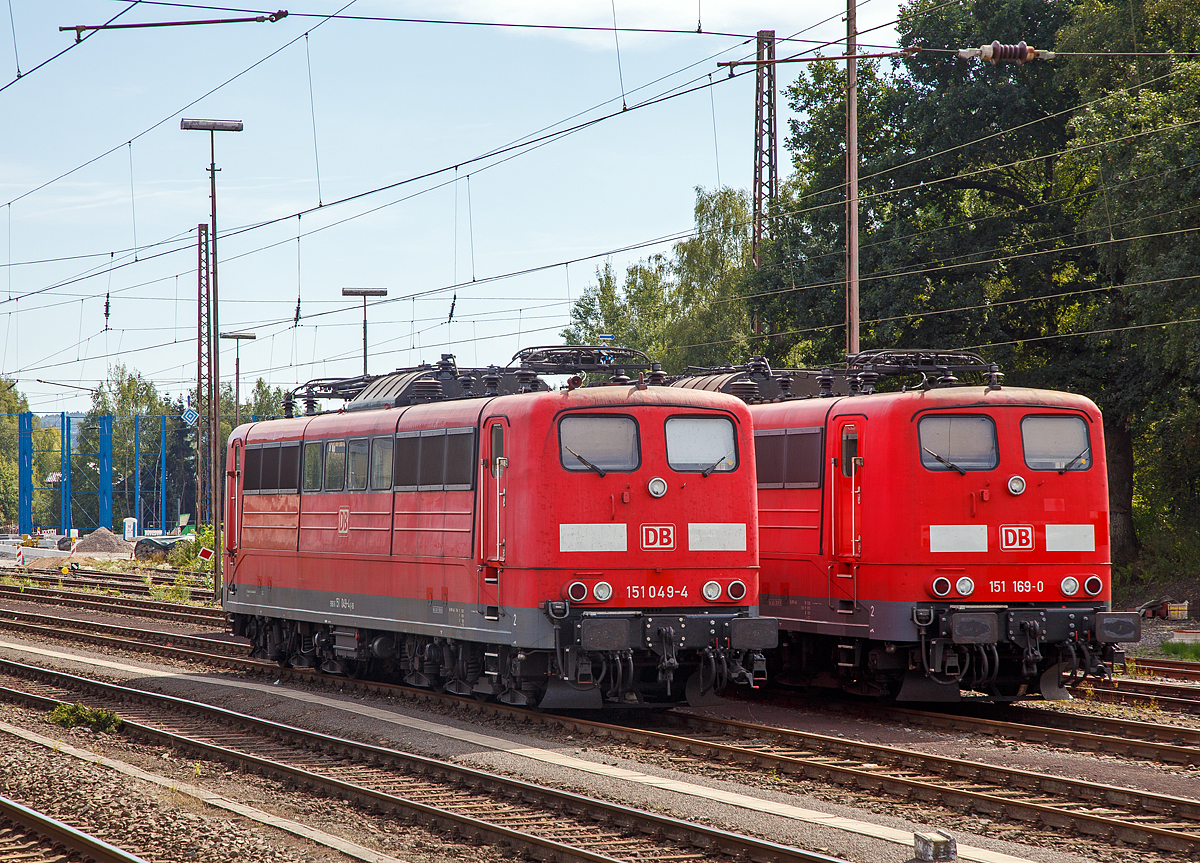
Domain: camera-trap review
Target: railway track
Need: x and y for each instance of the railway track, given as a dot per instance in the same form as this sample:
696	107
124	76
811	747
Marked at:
29	836
520	816
1175	669
1168	744
1116	814
198	615
1159	695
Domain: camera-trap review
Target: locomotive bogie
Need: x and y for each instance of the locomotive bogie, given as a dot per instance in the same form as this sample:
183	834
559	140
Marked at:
543	548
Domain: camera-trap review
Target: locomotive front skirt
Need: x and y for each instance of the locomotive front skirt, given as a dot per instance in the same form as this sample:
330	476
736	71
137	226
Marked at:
577	548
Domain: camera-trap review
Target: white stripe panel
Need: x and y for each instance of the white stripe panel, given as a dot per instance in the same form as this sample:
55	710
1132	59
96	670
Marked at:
958	537
716	536
606	536
1070	537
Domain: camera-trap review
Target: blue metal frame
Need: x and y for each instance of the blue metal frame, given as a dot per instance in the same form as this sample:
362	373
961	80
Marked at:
25	473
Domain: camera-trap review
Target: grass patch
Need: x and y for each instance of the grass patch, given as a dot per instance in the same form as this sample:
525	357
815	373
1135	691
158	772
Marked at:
178	591
1182	649
96	718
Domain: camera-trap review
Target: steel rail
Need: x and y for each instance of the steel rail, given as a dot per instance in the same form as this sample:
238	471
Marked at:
116	604
49	581
37	827
951	782
1178	698
703	840
1129	738
169	644
1169	744
1177	669
89	577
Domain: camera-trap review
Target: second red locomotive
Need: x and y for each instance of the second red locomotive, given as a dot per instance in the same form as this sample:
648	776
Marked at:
591	546
934	539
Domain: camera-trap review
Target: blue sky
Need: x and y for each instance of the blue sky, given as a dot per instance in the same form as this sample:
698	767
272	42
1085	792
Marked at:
354	107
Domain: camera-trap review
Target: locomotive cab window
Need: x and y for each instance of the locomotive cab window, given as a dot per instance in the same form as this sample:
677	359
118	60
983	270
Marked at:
1056	443
701	444
958	443
335	465
312	466
599	443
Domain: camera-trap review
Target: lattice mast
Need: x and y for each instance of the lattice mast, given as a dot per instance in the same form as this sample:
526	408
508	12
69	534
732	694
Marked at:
766	168
204	385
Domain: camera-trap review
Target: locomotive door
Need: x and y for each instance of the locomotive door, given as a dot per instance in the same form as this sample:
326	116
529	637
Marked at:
846	510
494	509
233	490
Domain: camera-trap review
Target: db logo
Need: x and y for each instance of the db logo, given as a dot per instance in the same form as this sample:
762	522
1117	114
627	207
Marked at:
658	536
344	520
1016	537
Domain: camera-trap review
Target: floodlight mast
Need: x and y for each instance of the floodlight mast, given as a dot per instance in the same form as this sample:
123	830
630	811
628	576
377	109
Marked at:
364	293
237	372
214	436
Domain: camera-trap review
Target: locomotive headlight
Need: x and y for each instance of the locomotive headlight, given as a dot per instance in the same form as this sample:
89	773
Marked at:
602	590
941	586
1093	585
1016	484
657	487
964	586
577	591
736	591
1070	585
711	591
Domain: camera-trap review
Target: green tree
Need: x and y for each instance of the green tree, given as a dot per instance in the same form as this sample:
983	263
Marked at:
685	309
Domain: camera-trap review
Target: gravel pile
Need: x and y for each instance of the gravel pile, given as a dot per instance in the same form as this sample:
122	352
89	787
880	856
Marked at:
103	541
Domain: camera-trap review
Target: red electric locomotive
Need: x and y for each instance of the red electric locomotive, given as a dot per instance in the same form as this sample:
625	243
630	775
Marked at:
934	539
590	546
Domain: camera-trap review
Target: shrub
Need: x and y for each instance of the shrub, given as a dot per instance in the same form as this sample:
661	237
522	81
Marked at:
96	718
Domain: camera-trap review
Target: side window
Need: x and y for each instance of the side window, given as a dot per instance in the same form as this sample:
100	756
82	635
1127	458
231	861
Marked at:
789	458
252	472
805	457
704	444
849	450
599	443
958	443
289	467
381	463
335	465
433	459
1056	443
460	459
497	447
312	466
356	464
270	468
408	453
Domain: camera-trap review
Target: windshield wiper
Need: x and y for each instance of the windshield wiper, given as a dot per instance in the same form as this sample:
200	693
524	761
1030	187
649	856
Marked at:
945	461
1066	467
584	460
715	464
